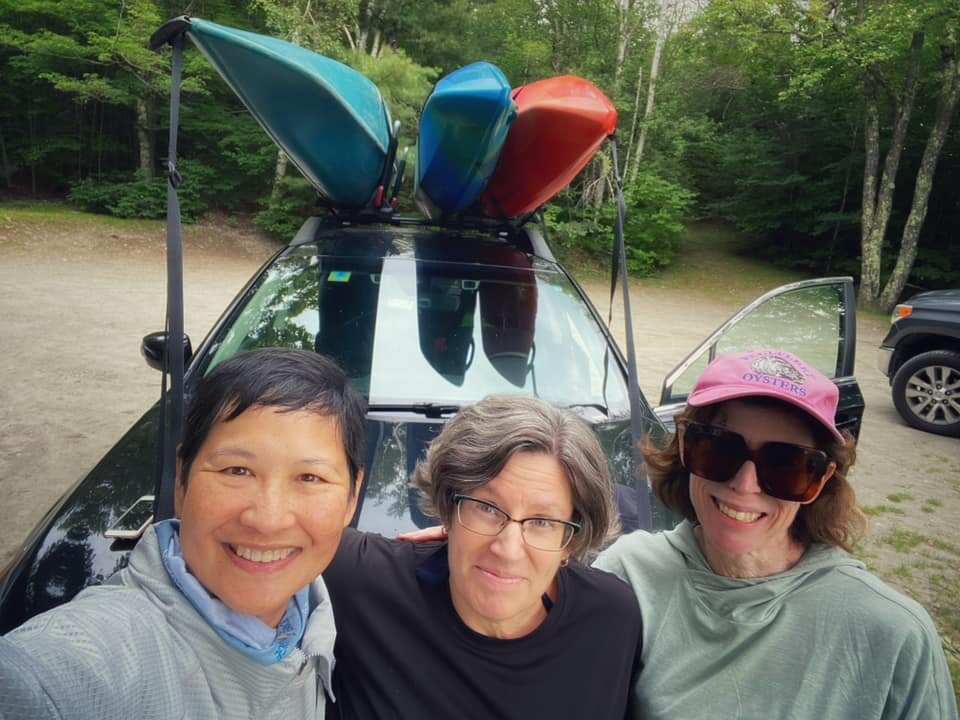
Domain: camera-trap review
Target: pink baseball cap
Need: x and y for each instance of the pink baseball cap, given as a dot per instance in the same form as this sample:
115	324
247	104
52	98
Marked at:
769	373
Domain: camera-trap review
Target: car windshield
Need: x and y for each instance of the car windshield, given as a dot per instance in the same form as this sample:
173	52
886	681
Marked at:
409	329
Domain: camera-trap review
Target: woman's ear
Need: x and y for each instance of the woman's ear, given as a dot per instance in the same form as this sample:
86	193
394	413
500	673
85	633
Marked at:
354	498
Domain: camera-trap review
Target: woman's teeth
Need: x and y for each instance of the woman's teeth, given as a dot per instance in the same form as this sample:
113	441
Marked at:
737	514
261	556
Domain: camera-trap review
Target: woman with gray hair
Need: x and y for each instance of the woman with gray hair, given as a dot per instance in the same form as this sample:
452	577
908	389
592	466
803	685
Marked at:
503	619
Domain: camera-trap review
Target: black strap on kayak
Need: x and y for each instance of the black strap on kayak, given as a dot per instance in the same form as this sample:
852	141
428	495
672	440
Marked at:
171	395
619	268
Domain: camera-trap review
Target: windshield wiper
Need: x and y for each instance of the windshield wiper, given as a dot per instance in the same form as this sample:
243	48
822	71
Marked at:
430	410
596	406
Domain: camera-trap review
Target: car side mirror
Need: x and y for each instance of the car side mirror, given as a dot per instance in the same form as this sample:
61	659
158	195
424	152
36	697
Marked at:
154	346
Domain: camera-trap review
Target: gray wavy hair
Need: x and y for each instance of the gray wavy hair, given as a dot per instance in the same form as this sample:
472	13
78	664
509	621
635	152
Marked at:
476	444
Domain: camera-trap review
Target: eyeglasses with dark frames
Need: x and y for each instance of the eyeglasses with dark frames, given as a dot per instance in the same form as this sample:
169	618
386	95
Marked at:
541	533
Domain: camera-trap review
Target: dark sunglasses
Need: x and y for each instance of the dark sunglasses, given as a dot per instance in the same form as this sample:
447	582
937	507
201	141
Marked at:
784	470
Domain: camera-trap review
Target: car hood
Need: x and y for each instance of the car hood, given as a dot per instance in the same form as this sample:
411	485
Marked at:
941	299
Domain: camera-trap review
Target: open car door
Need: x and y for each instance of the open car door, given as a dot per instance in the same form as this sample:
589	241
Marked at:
814	319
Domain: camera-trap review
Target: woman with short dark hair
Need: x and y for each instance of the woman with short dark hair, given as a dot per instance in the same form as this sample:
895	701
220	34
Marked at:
220	613
502	620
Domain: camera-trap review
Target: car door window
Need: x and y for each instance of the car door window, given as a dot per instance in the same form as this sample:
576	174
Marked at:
812	319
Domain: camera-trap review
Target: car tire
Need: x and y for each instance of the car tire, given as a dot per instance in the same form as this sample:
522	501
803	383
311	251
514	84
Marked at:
926	392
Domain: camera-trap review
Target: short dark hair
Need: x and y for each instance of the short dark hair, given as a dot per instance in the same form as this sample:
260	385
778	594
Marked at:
278	378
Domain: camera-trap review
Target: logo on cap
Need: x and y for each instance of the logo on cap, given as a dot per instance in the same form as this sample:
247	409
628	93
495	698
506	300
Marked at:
778	367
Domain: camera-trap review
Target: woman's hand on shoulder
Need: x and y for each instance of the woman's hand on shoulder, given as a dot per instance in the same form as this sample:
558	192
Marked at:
430	534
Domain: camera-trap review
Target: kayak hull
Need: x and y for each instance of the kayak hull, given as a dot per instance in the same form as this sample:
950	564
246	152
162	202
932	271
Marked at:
560	124
330	120
462	129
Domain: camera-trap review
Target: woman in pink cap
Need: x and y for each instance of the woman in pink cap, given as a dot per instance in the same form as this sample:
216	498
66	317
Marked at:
752	606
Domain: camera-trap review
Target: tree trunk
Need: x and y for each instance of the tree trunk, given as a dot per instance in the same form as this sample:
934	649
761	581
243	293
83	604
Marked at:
351	43
629	172
100	143
145	146
880	199
80	143
624	35
869	250
651	90
946	109
364	24
595	180
33	154
279	172
4	162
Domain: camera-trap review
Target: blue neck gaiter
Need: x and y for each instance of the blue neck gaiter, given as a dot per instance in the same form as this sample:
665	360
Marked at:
248	634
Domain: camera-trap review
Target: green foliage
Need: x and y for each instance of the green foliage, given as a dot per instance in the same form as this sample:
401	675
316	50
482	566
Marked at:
282	215
654	225
403	83
656	209
759	110
146	198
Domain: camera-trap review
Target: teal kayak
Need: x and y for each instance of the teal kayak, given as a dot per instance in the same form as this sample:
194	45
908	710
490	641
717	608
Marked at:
462	129
330	120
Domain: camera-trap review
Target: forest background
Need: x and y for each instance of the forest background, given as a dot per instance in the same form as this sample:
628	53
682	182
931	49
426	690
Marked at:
822	129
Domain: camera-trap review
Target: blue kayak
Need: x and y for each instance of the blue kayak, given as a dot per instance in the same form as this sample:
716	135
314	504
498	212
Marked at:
462	129
330	120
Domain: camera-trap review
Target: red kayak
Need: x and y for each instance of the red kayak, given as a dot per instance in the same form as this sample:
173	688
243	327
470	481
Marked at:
560	124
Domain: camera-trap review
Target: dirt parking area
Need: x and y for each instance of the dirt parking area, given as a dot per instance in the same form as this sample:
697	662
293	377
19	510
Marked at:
77	294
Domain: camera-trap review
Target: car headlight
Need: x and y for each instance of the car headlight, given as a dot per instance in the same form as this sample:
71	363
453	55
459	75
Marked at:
901	311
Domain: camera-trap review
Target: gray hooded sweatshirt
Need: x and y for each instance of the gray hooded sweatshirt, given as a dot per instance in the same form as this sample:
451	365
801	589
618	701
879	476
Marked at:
825	639
136	647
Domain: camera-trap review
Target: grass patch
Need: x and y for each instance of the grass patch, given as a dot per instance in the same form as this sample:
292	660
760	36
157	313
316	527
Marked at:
709	244
933	502
945	610
903	540
882	509
899	497
928	509
947	548
902	571
34	211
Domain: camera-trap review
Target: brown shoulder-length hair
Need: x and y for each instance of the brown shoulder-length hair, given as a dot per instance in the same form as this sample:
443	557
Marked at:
832	519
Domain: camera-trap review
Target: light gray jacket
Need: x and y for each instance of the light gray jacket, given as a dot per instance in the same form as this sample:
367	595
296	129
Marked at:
135	647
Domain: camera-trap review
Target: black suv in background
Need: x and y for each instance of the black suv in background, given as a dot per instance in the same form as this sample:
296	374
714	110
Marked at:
921	357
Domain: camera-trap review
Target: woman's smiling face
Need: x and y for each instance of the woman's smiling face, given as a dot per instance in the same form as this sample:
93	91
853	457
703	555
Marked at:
267	498
497	582
737	519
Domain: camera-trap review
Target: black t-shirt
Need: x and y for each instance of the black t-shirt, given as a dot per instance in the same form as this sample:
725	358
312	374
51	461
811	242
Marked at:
403	652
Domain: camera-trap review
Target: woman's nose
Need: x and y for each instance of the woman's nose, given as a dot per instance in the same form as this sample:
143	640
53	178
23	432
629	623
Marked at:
745	481
509	543
269	511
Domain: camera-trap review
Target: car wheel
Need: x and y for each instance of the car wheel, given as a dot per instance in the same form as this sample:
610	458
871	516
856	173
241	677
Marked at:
926	392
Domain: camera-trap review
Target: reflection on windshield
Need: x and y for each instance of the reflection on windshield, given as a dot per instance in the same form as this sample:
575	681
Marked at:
414	329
